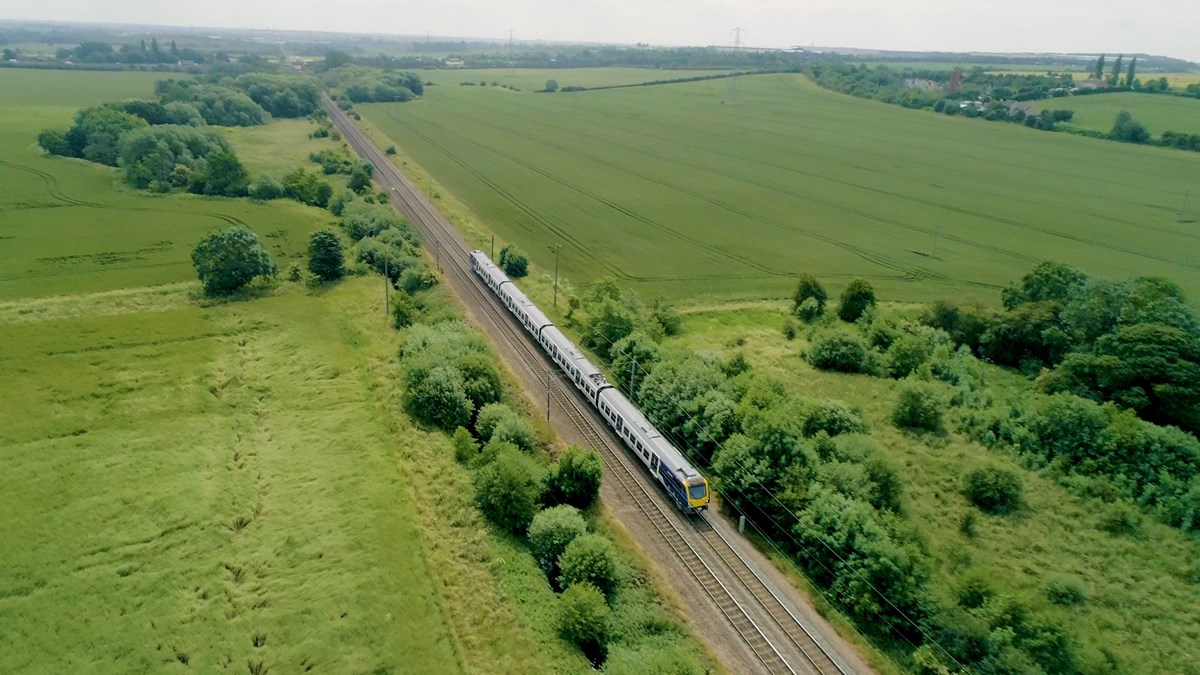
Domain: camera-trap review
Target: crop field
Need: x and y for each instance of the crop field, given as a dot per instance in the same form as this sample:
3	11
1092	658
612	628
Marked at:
530	79
1157	113
68	226
702	192
1143	599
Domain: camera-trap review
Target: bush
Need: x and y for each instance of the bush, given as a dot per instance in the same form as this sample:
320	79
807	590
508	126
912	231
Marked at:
918	407
994	490
652	658
575	478
551	531
307	188
513	261
1065	590
832	417
1121	519
590	559
229	259
857	297
326	259
583	619
391	150
419	277
440	398
907	353
507	490
808	288
490	416
516	431
404	310
840	351
154	155
464	444
266	188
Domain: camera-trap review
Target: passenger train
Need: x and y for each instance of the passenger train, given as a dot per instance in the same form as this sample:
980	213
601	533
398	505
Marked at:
686	487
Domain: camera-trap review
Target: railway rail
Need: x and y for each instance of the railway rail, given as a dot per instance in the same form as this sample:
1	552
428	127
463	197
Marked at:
740	594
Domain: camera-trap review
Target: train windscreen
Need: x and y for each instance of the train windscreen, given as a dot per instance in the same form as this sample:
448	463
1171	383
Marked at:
697	491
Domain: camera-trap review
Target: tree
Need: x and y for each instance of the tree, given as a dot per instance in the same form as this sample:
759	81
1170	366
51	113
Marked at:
592	559
229	259
513	261
54	142
265	188
1114	77
607	322
223	175
633	357
1099	72
337	59
307	188
507	489
326	258
583	619
516	431
1132	73
808	287
551	86
575	478
918	406
551	531
857	297
840	351
1128	130
360	180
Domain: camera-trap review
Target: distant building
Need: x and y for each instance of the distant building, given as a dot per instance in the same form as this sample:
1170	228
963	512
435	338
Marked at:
453	62
955	81
1092	83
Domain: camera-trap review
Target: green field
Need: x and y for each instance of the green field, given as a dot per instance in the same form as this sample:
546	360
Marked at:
694	191
1157	113
531	79
69	225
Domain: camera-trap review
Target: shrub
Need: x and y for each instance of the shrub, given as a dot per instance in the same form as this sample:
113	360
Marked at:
839	351
517	431
790	329
307	188
583	619
513	261
809	310
507	489
590	559
464	444
266	188
1121	519
656	658
808	288
326	258
994	490
404	310
391	150
857	297
551	531
440	398
490	416
419	277
229	259
833	417
907	353
1066	590
918	407
575	478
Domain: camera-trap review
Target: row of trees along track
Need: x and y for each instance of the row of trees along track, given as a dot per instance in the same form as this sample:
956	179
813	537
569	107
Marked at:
758	614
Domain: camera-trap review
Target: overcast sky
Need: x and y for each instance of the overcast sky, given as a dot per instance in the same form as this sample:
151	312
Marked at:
1170	27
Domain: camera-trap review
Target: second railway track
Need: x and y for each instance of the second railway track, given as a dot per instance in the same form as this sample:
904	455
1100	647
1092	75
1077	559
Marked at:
730	581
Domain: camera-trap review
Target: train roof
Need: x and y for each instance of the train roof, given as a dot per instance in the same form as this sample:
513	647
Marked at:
526	305
564	345
667	453
489	268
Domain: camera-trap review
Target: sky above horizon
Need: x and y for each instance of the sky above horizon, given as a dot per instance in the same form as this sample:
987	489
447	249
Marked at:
1164	27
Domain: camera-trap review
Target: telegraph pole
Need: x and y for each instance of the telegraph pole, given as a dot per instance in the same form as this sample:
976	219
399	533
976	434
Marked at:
387	292
547	395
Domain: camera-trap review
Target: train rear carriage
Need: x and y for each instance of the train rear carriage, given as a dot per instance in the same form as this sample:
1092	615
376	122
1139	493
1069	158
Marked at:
586	376
687	487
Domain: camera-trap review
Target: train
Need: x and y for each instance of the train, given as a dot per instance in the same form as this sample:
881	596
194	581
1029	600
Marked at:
685	486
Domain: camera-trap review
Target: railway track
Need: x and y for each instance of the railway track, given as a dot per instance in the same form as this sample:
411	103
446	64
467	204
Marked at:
451	251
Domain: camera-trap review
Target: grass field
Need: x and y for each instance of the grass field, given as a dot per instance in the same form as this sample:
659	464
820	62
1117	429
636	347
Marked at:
1158	113
678	191
218	487
69	226
1143	597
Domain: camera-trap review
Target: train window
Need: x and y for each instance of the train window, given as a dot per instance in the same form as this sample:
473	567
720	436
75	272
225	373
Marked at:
653	462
